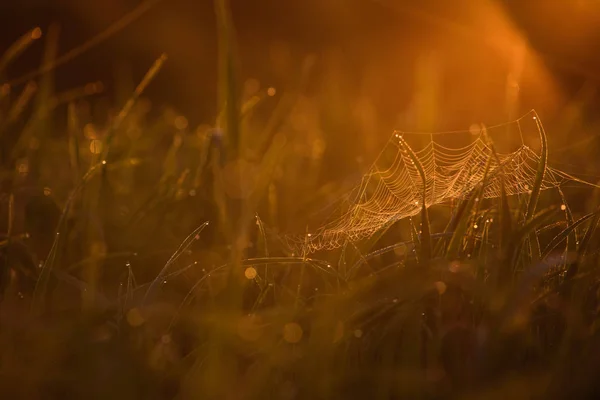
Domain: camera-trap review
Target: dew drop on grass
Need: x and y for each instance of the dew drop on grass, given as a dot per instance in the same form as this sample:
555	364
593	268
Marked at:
563	207
250	273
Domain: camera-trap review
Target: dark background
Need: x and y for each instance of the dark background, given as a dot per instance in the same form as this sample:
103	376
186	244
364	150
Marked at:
366	49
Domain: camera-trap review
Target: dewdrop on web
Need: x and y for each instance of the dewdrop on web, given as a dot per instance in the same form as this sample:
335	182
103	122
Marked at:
436	173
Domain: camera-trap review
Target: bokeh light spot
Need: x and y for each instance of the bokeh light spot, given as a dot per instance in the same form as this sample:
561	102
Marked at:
134	317
36	33
249	328
440	287
292	332
181	122
250	273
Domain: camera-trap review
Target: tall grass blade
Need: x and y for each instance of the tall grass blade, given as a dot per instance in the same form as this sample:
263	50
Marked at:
150	75
462	226
229	96
587	237
18	47
425	235
565	234
541	171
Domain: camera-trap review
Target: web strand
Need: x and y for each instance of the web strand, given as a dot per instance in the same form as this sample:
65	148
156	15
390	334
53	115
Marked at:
392	189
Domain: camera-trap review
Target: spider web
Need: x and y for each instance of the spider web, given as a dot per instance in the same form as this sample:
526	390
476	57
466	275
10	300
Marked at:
393	188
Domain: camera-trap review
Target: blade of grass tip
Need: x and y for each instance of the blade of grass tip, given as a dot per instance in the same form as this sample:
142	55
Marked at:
246	112
229	97
116	27
43	98
18	47
150	75
191	238
170	162
425	235
269	163
566	233
69	96
572	241
46	89
21	103
537	186
47	267
284	106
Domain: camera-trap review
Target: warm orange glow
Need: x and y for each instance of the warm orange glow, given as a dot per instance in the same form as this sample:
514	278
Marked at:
292	332
250	273
96	146
181	122
134	317
36	33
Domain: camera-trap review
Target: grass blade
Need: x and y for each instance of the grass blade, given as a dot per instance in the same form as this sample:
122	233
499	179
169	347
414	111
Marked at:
541	171
425	236
228	80
565	234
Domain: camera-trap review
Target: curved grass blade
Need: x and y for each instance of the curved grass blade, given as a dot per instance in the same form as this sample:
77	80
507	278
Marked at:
583	245
229	97
541	171
150	75
565	234
462	226
18	47
425	236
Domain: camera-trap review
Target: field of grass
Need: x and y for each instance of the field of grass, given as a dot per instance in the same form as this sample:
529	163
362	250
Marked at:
142	258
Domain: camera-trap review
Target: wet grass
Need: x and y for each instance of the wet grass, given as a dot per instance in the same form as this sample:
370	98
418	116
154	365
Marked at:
141	259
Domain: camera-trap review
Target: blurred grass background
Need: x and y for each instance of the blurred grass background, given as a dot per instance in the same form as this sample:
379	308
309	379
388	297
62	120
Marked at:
143	209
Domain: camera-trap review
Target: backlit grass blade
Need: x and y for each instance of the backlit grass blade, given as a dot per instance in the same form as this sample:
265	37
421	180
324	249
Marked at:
229	97
530	227
462	226
425	234
585	242
116	125
541	171
18	47
565	234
